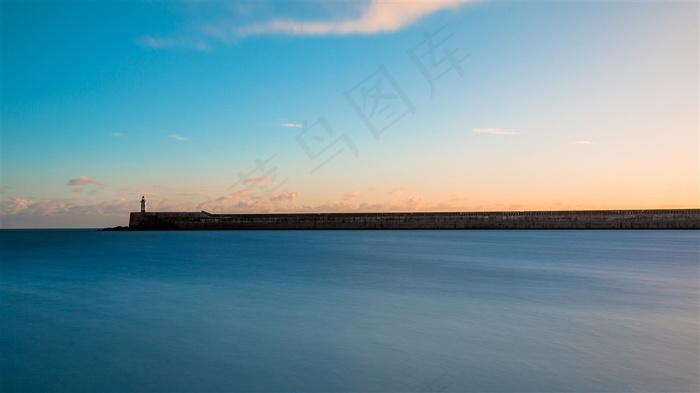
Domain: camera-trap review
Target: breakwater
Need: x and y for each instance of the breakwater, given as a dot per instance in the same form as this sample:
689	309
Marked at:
584	219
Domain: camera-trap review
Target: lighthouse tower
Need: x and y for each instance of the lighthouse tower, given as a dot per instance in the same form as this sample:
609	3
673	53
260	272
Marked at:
143	204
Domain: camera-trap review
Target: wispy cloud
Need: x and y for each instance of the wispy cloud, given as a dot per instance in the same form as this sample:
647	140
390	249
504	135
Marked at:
117	134
148	41
257	180
399	191
352	195
292	125
496	131
581	143
229	24
379	16
119	207
285	196
179	137
359	194
26	206
288	202
411	204
245	201
226	199
84	180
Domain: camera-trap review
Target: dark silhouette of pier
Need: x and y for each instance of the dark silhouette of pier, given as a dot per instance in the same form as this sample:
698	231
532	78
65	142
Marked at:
581	219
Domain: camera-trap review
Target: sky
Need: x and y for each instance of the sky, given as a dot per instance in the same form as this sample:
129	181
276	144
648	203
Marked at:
345	106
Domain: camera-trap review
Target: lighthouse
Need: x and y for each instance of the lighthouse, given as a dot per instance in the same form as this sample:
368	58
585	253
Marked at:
143	204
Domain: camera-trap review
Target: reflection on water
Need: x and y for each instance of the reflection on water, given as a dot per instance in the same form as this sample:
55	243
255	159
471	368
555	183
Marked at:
409	311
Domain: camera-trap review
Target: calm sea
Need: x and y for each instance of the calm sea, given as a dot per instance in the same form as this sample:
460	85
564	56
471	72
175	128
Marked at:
361	311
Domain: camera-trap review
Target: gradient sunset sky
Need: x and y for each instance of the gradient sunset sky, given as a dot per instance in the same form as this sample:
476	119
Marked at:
321	106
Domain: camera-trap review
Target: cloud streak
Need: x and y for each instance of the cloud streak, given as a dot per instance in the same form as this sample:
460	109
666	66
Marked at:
379	16
292	125
340	19
179	138
83	181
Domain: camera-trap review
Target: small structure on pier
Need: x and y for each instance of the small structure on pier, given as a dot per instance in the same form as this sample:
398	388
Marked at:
143	204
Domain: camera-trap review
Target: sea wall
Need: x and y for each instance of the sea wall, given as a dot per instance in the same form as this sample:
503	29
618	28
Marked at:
593	219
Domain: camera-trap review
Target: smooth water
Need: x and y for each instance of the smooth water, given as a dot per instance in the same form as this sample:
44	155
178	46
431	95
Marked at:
361	311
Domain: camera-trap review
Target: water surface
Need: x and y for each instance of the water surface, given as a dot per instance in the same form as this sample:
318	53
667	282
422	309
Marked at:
367	311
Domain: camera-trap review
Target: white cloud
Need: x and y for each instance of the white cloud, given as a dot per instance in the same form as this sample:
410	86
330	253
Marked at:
117	134
379	16
292	125
178	137
496	131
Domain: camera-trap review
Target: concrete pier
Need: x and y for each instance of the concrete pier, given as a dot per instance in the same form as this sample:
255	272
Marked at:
586	219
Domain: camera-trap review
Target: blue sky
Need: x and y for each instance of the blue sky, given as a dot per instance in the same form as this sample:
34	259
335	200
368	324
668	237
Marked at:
216	106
